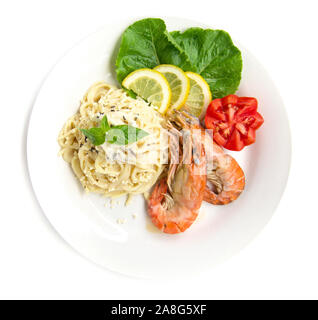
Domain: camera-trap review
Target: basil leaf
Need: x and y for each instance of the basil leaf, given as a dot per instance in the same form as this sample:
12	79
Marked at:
213	55
95	135
146	44
124	134
104	125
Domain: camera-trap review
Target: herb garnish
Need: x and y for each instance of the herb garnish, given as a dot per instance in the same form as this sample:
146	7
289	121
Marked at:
122	134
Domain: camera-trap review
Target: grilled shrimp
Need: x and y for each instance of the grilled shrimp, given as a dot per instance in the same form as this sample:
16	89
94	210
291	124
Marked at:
225	178
176	199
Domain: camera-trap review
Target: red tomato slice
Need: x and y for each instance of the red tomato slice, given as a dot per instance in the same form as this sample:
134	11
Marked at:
234	142
233	120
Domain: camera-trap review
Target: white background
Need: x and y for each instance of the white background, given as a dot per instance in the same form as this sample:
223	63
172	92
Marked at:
282	262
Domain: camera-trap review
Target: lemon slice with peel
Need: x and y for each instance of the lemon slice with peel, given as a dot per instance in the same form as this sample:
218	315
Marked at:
150	85
199	96
179	84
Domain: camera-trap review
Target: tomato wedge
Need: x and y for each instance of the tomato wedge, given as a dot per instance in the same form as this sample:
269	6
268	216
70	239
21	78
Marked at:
234	121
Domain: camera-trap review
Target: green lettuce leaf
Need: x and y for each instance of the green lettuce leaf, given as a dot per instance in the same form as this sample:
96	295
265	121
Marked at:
213	55
146	44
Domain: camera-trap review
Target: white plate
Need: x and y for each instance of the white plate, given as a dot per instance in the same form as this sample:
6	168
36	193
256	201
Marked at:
135	248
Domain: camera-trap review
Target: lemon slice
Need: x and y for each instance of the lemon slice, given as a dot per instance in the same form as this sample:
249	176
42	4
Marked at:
199	96
179	84
150	85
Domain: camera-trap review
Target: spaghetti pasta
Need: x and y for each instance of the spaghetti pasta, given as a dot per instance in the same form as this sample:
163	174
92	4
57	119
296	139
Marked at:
110	169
